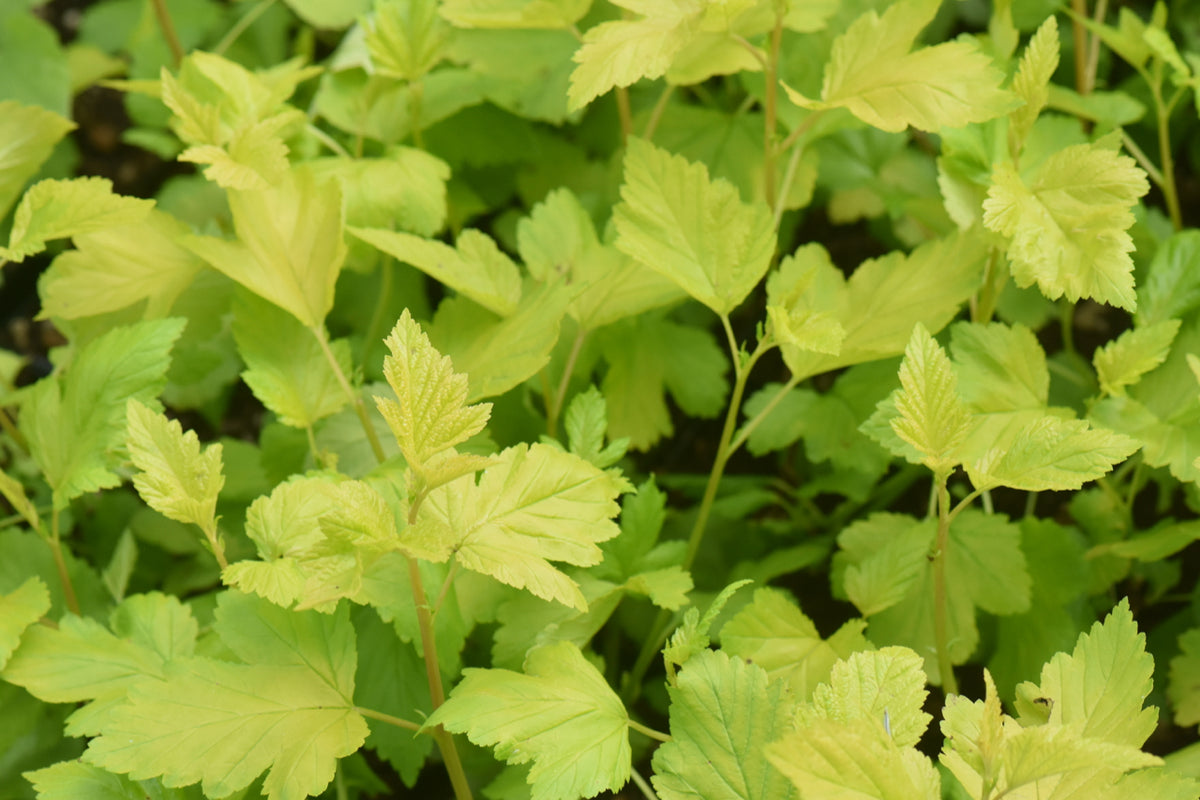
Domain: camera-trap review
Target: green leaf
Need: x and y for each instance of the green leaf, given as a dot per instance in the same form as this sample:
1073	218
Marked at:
330	14
874	72
82	661
406	39
432	415
535	505
696	231
74	423
506	14
1183	687
558	242
723	714
692	635
560	714
475	267
586	425
1172	291
885	297
1052	454
932	417
116	267
286	367
1131	355
1165	539
498	353
253	158
1101	685
1000	367
289	711
57	209
856	739
1032	81
14	493
70	780
119	569
19	610
289	247
175	478
650	356
405	190
527	622
773	633
1067	223
28	134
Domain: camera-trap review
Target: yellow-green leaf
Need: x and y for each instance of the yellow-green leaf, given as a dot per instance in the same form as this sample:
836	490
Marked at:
175	478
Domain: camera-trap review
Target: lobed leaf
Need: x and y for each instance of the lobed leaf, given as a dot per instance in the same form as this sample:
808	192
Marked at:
18	610
696	231
932	417
1032	81
28	134
560	714
1135	352
175	478
57	209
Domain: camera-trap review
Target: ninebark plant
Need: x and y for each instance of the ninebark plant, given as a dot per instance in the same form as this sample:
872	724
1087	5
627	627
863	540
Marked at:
441	285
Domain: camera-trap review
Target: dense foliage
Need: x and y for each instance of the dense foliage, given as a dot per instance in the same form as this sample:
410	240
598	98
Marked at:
543	398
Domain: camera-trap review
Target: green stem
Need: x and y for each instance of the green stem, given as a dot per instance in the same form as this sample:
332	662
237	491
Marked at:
949	683
383	294
168	28
789	176
6	424
388	718
327	140
554	408
60	564
642	786
1079	36
1170	193
656	113
994	279
624	114
763	413
416	98
648	731
248	19
770	153
355	398
214	542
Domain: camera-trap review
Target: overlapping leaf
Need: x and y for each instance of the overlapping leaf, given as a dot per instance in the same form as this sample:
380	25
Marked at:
1052	453
874	72
560	714
18	610
724	712
57	209
537	504
1066	224
28	134
694	230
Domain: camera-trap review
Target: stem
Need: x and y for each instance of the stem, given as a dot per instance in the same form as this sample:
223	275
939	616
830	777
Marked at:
60	563
789	176
770	108
6	424
644	787
215	543
1079	35
656	113
994	280
648	731
757	419
801	129
168	29
1093	50
355	398
1143	161
416	97
384	293
248	19
949	683
324	138
560	395
1170	194
624	113
388	718
450	573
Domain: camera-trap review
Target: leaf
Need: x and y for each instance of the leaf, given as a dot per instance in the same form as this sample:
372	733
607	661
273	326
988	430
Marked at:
289	712
28	134
1173	288
885	297
650	356
774	634
116	267
285	366
586	426
1052	453
330	14
622	52
174	478
253	158
405	190
1067	224
536	505
75	422
82	661
18	610
560	714
475	267
432	414
57	209
874	72
856	739
723	714
1000	367
1183	686
558	241
406	39
932	416
1101	685
14	493
510	14
69	780
1135	352
692	635
499	353
1032	81
693	230
289	248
